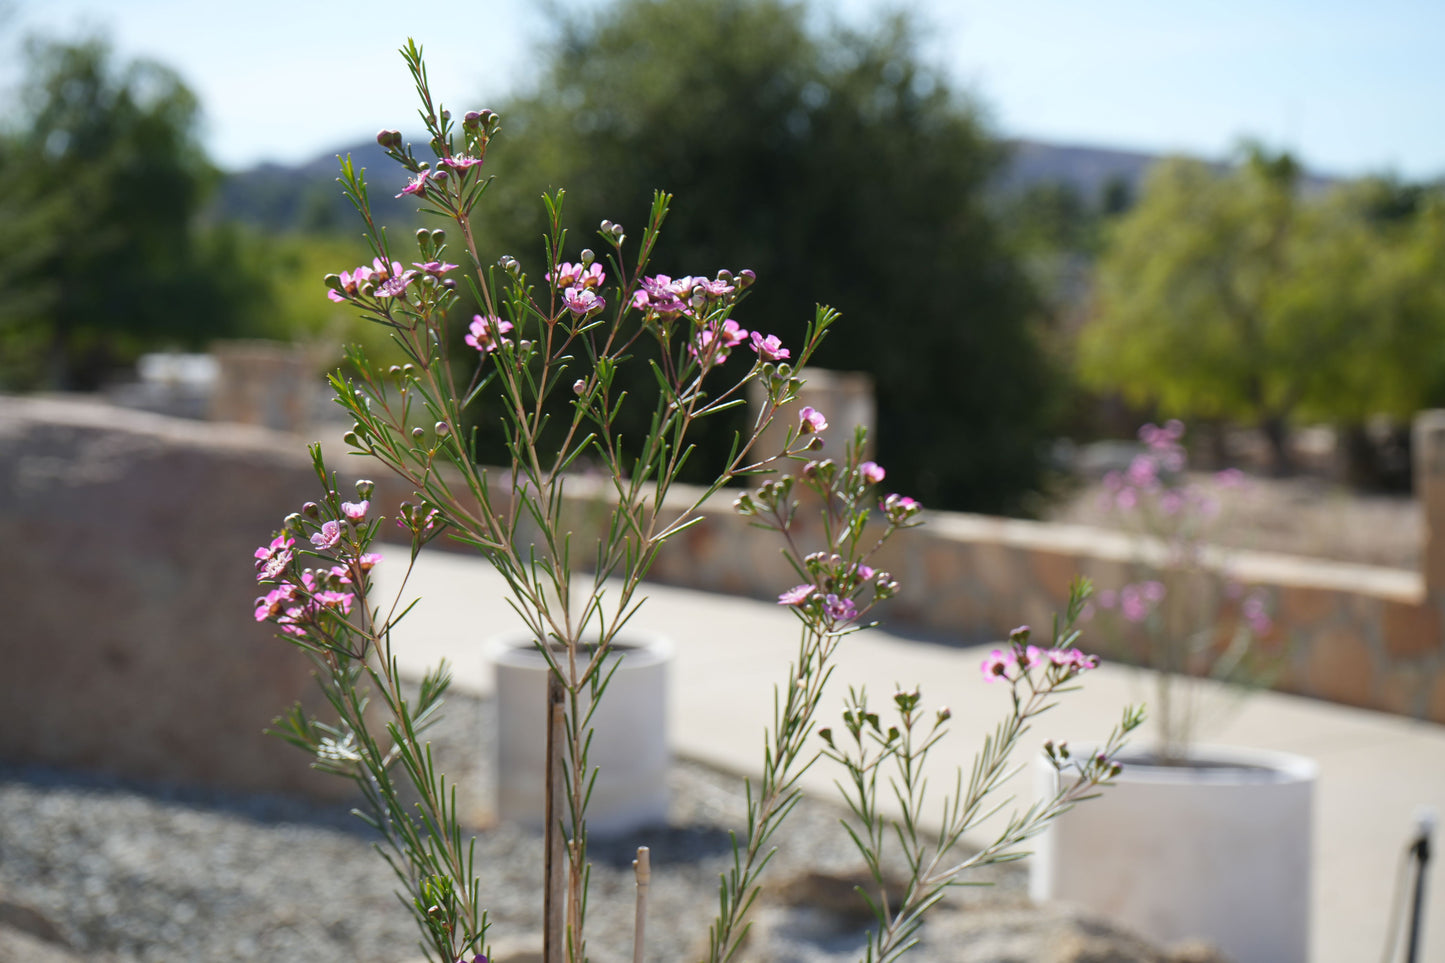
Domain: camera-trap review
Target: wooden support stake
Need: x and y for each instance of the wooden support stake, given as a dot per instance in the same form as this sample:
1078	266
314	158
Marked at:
554	859
642	869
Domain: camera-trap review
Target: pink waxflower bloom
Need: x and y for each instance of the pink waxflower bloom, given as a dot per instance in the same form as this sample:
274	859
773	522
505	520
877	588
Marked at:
1230	478
341	573
840	609
435	268
417	184
728	336
582	301
486	332
811	420
1152	590
997	665
864	573
460	162
872	473
368	561
567	275
713	289
797	595
592	276
271	560
1126	499
270	605
769	347
1133	604
1143	471
327	538
899	508
661	295
336	600
355	511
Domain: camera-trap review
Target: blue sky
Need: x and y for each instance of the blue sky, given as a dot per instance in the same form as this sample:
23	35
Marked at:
1352	88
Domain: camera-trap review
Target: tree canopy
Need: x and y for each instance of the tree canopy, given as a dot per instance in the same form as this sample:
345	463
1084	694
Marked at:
1230	294
836	165
99	238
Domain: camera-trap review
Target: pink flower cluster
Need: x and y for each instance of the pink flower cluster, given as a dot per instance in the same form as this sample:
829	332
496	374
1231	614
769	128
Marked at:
380	280
579	284
1135	601
300	596
1020	660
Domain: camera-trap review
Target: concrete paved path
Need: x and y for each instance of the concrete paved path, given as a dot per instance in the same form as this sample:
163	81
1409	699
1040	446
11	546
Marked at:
1375	770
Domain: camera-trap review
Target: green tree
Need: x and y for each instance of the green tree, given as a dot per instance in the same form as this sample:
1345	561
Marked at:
105	178
1228	294
837	166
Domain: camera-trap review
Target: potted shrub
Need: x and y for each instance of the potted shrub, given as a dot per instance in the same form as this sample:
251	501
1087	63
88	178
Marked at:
1196	841
544	356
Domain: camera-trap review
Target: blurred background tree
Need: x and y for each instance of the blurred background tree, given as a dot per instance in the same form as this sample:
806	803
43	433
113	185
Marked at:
100	237
836	165
1228	294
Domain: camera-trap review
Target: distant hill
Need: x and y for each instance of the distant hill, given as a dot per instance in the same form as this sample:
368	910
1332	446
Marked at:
281	197
307	195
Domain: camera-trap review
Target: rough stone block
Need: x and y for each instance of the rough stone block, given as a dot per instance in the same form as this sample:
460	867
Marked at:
1410	631
1341	668
128	583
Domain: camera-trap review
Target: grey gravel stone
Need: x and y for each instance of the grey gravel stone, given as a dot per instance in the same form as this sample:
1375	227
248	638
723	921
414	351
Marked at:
146	872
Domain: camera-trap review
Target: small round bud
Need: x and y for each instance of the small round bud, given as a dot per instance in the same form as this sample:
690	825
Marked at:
365	487
449	284
389	138
438	237
746	278
579	386
587	256
446	115
442	428
471	120
423	236
418	434
394	370
311	510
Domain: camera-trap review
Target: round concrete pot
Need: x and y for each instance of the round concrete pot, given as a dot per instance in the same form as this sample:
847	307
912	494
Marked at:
1217	849
629	742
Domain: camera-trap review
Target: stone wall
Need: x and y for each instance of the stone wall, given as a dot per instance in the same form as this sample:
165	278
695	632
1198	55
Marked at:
126	579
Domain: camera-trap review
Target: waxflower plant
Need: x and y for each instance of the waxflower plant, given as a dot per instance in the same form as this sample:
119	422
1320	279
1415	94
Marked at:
1179	614
528	346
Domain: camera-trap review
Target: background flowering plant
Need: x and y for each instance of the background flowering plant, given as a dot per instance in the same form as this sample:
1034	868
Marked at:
1180	614
544	360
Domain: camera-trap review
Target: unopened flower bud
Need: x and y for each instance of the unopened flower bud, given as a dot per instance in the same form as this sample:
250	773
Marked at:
442	429
746	278
394	370
579	386
418	434
423	236
389	138
365	487
333	281
446	115
587	256
944	714
352	439
292	524
449	284
438	237
311	510
471	120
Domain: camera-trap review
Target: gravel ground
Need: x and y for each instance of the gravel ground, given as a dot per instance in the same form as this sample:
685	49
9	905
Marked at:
126	871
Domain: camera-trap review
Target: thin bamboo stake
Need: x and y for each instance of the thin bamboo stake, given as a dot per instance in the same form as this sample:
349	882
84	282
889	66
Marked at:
642	869
554	878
